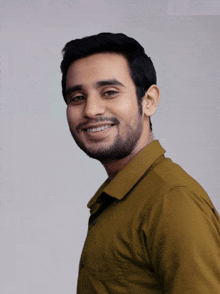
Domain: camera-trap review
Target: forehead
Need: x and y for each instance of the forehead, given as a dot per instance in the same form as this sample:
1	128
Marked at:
98	66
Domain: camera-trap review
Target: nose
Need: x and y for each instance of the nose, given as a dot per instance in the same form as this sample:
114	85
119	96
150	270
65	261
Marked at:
94	106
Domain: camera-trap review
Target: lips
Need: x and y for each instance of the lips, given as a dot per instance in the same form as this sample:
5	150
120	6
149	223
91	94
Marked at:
98	125
98	129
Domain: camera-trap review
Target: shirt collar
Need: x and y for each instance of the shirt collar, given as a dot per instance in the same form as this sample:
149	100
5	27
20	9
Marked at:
130	174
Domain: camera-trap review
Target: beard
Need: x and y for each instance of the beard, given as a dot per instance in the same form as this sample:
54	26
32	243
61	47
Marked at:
121	147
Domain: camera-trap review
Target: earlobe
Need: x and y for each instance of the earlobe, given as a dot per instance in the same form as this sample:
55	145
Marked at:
151	100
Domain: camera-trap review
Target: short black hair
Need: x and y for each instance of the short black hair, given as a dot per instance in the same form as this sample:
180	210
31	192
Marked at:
141	66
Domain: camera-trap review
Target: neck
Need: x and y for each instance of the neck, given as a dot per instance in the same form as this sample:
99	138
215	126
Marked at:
112	167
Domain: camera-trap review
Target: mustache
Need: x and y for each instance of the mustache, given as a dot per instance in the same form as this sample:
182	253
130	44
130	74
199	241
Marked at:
113	120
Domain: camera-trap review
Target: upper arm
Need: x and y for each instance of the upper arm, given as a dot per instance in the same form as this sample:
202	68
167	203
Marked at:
183	238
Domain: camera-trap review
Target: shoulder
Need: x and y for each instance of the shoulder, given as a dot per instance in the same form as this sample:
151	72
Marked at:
174	184
176	200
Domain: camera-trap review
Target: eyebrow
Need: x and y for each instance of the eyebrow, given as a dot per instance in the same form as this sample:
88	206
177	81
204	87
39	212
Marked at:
73	89
111	82
99	84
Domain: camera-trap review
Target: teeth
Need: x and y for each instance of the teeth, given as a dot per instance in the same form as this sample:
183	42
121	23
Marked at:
93	130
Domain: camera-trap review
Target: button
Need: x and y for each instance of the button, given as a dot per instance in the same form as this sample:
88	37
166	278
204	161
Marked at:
82	264
94	222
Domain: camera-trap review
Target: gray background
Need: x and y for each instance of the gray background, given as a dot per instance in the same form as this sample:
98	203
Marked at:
46	181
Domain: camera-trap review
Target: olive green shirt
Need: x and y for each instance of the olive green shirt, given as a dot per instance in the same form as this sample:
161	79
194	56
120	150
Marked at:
153	229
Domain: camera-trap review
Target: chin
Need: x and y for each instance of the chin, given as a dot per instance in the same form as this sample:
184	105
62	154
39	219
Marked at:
108	154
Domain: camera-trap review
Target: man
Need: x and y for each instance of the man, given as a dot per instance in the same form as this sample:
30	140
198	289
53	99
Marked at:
152	229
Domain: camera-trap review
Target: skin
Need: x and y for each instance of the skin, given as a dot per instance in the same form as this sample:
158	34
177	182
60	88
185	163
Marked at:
101	93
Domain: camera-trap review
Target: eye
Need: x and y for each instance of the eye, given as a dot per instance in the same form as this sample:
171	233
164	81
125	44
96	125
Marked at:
76	99
110	93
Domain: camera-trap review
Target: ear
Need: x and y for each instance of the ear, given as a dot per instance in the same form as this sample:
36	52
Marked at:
150	100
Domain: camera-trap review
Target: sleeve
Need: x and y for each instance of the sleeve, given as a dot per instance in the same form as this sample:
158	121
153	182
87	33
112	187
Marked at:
183	239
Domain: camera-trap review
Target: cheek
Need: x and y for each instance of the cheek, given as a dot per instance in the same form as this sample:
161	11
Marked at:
71	117
127	109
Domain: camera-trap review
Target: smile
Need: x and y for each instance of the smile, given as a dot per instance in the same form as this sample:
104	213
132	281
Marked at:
98	129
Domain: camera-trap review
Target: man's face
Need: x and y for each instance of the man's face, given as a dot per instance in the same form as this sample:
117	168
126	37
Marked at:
102	107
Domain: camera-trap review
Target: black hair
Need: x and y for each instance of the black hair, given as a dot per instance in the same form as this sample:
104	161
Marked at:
141	67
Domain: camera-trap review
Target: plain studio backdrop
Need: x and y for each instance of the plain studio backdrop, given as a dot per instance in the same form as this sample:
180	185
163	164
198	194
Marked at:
46	180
